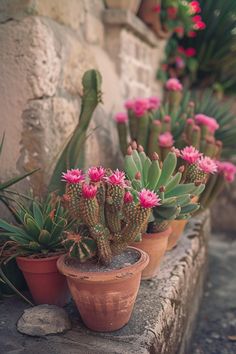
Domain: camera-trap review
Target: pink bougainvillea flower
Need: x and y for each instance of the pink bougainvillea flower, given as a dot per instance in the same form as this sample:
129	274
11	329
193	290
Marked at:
196	18
194	7
190	154
166	140
228	169
96	174
157	8
190	52
179	62
148	199
73	176
121	117
172	12
207	165
117	178
129	104
211	123
154	102
141	106
89	191
128	198
173	84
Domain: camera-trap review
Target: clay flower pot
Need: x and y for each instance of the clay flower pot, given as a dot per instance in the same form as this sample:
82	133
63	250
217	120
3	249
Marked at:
105	300
131	5
46	284
152	19
177	230
155	245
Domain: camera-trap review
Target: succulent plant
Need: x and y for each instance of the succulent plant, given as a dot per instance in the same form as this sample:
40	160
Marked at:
72	155
175	197
109	214
40	227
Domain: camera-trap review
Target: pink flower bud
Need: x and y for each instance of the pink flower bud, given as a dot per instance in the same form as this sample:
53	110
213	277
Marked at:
166	140
128	198
173	85
121	117
89	191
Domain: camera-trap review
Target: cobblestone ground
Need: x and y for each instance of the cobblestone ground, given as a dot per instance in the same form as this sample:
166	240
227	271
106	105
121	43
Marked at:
216	328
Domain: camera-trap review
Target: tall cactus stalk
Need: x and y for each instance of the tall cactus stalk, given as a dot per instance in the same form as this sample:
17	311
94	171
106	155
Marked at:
71	156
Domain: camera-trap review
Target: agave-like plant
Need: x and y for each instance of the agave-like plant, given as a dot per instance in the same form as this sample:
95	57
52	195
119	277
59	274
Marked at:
40	227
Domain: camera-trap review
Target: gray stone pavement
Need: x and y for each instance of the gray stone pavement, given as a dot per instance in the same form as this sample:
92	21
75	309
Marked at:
216	328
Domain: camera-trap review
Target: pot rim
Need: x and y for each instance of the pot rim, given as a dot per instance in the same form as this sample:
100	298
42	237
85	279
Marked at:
43	259
165	233
115	274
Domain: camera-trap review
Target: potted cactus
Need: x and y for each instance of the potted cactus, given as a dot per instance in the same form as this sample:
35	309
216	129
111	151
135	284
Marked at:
36	243
103	273
175	200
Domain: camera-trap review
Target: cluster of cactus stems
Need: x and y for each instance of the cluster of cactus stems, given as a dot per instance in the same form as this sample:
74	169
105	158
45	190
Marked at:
110	215
176	197
174	125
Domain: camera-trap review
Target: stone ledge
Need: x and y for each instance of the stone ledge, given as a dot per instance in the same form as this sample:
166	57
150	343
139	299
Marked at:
163	318
128	20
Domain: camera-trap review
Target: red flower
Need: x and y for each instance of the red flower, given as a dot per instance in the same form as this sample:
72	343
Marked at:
192	34
194	7
196	18
200	25
172	12
157	8
190	52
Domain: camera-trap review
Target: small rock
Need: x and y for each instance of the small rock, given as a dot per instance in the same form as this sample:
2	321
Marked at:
42	320
215	335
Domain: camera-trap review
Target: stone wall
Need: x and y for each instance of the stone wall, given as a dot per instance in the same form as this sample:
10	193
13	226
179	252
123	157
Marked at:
45	48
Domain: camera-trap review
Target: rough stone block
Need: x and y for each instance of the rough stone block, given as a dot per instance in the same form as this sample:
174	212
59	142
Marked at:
94	30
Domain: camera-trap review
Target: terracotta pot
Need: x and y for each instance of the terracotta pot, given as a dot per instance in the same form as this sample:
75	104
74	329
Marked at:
131	5
155	246
177	230
46	284
152	19
105	300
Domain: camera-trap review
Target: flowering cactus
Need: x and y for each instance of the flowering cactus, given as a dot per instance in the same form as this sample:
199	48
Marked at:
175	197
109	212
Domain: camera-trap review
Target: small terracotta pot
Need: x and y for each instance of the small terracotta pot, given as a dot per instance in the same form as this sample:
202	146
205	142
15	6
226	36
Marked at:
46	284
155	246
105	300
177	230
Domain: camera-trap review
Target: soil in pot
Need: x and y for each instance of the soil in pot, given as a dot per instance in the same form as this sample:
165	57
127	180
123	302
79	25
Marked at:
155	245
46	284
105	295
177	230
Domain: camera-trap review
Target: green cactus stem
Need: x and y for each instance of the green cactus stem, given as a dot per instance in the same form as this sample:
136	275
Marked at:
143	130
123	136
133	125
153	145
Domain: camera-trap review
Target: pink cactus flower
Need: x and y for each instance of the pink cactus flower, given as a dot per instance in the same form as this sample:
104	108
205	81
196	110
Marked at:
121	117
190	52
96	174
207	165
141	106
200	25
192	34
228	169
211	123
190	121
179	62
129	104
172	12
166	139
167	119
89	191
128	198
117	178
194	7
176	151
157	8
148	199
173	84
154	102
190	154
73	176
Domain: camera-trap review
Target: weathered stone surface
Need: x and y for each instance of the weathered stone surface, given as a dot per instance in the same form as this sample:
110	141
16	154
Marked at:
162	320
42	320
